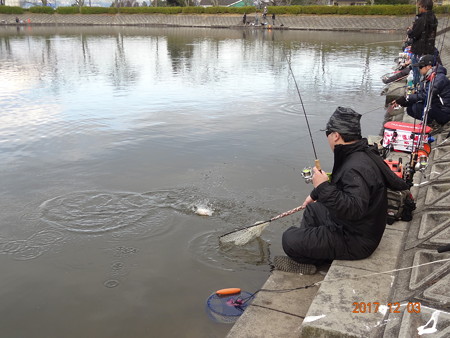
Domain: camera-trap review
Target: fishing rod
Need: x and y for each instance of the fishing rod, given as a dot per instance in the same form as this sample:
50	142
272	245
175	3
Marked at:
306	173
419	157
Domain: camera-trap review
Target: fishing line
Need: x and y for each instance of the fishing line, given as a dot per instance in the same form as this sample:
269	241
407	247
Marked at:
303	107
444	141
294	167
342	279
382	42
276	310
300	137
385	272
371	111
304	110
443	37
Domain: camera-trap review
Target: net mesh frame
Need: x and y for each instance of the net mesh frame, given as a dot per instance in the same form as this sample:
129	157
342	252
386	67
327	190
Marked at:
242	237
221	310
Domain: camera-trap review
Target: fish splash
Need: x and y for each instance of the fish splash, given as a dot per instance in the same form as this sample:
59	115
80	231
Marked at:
202	210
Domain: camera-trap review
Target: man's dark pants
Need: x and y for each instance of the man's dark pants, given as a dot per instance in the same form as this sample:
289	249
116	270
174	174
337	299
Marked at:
318	240
416	111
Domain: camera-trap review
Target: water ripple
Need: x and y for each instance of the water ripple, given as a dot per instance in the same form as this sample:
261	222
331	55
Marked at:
32	247
295	108
135	215
95	212
122	215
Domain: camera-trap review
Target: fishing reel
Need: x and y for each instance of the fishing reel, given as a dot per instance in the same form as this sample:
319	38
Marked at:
307	174
408	174
402	59
422	163
421	159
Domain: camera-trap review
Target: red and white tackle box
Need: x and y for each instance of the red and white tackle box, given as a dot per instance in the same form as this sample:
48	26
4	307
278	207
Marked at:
400	135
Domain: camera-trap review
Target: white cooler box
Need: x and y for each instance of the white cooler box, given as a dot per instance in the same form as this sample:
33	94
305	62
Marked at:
398	134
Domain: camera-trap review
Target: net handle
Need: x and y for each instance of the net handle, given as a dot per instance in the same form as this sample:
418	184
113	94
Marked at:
284	214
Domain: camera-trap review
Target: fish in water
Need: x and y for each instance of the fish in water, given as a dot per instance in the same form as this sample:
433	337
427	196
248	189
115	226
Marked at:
203	211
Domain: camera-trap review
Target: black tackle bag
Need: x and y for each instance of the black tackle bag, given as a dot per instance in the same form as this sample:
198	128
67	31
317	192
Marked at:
400	206
400	201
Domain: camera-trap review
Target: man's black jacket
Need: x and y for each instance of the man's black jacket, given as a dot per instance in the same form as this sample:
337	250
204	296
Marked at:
423	33
356	196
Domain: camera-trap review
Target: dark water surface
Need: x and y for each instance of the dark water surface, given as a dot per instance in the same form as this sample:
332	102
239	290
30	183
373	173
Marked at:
109	139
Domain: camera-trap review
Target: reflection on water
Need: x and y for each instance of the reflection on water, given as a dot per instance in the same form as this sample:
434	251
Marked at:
84	82
112	138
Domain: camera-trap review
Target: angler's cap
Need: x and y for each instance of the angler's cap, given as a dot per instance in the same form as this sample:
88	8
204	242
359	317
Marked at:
345	121
426	60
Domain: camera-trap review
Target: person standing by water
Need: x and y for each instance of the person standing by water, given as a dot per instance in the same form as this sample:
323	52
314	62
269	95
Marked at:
273	19
244	19
422	35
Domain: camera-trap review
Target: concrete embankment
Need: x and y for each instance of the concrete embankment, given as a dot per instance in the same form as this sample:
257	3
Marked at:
299	22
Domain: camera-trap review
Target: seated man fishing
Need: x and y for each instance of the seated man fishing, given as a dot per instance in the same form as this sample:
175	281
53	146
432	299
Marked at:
344	217
440	93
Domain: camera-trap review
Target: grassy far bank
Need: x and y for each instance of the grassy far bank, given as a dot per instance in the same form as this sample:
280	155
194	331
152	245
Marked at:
292	10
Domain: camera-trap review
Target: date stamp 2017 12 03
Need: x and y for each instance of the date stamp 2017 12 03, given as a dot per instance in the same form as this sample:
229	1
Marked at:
374	307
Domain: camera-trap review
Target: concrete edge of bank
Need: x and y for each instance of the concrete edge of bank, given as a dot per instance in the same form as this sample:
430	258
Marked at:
386	24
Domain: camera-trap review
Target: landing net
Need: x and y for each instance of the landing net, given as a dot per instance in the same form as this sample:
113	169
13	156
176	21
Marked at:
227	309
243	236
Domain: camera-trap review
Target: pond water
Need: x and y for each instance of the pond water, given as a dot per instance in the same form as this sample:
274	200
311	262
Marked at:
110	138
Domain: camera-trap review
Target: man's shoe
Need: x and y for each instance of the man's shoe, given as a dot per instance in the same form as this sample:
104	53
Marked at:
286	264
